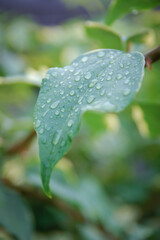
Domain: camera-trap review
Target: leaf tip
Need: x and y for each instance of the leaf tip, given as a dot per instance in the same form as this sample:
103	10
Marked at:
46	190
45	178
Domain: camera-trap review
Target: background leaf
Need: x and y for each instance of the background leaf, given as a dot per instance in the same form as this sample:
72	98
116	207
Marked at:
149	92
151	114
140	37
104	36
102	80
14	214
118	8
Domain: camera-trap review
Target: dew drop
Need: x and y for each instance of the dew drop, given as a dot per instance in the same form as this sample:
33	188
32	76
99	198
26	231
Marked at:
55	104
70	123
77	78
80	100
47	127
77	72
41	131
75	64
61	92
98	86
93	82
43	106
44	114
49	100
56	136
127	72
38	123
87	75
57	112
108	78
76	109
90	99
121	65
71	69
84	59
101	54
72	93
80	87
119	76
126	92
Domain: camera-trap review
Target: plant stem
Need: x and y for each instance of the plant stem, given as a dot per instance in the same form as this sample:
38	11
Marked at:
21	146
152	56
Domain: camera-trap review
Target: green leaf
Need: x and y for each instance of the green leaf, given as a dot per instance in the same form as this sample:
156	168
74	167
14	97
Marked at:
118	8
14	214
151	114
140	37
149	92
104	36
21	101
79	194
103	80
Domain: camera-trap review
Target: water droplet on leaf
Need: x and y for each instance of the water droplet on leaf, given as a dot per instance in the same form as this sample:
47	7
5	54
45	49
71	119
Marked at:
55	104
90	98
119	76
84	59
38	123
70	123
126	92
101	54
87	75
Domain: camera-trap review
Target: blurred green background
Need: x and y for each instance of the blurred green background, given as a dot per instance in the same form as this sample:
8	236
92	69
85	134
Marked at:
108	185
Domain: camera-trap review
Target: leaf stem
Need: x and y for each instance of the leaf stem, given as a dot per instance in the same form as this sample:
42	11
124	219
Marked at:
152	56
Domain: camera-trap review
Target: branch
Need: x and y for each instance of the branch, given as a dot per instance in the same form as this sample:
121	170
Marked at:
21	79
31	193
21	146
151	57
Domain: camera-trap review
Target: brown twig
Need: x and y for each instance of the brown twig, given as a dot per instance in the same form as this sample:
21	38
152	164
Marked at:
21	146
32	193
151	57
129	45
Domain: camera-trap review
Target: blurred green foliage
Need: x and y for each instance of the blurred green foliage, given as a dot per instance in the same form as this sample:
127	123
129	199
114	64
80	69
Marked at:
108	185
